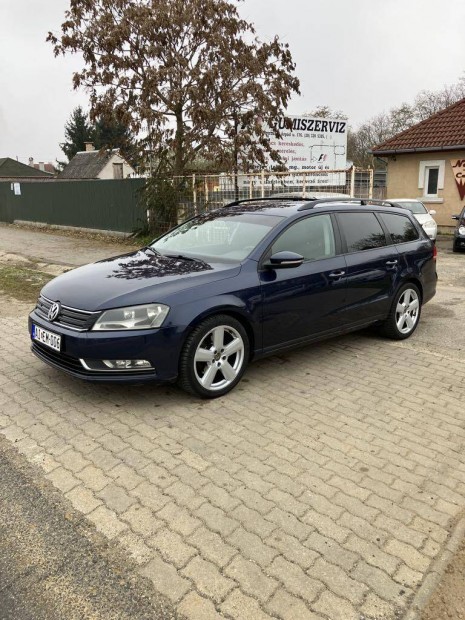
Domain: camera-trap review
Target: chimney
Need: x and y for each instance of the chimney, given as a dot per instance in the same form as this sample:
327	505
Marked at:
31	162
89	146
41	166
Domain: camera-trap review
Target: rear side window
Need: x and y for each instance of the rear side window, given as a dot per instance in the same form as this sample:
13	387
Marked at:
400	228
362	231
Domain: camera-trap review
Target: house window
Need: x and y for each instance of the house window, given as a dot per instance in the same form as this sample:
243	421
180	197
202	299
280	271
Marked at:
117	171
431	180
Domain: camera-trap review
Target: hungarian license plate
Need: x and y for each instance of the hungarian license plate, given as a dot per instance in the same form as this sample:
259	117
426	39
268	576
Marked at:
49	339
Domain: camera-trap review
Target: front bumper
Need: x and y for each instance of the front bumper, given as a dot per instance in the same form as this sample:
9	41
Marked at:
161	347
459	242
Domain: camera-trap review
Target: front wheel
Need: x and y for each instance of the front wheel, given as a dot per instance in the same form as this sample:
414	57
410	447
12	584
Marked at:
214	357
404	314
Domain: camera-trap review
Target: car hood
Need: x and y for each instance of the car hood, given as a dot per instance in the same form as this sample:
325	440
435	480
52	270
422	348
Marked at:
136	278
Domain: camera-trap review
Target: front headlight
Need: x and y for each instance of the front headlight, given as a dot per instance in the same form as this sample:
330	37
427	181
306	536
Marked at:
429	224
149	316
462	230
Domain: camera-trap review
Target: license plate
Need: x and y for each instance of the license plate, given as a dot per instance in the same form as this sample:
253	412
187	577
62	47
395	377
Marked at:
49	339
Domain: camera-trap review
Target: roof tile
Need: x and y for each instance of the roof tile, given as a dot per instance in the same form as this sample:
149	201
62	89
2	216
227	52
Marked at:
445	129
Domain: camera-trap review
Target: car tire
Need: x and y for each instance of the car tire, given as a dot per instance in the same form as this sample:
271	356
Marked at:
405	312
220	342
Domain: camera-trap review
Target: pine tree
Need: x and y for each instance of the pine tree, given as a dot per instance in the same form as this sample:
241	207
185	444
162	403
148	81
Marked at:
78	131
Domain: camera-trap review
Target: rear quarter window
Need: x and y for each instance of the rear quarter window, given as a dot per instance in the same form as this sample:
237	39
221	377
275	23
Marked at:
400	228
362	231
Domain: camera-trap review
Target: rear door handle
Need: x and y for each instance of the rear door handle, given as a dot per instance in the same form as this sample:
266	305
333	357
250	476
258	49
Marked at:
391	263
336	274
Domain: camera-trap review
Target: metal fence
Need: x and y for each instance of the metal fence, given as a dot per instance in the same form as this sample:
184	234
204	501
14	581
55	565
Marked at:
114	205
204	192
124	206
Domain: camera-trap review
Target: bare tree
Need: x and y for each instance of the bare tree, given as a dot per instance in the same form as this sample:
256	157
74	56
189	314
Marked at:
189	75
388	124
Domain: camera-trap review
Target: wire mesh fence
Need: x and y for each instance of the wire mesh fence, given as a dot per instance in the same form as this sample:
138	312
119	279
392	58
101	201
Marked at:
177	198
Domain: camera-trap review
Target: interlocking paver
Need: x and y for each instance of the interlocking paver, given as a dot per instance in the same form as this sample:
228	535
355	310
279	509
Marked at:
237	605
83	499
116	498
251	579
324	487
208	579
211	546
195	607
172	547
252	547
335	607
289	607
295	580
168	581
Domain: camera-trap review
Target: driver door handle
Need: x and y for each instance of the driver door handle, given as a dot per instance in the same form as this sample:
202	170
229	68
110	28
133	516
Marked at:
336	274
391	263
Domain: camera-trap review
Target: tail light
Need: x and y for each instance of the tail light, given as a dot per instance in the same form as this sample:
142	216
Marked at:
435	251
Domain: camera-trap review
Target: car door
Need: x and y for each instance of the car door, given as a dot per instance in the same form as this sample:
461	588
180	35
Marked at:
299	303
372	266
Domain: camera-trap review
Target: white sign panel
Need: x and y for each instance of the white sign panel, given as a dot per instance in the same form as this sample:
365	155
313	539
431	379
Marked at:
313	145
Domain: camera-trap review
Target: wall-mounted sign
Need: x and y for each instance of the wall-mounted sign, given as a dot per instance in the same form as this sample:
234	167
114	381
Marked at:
458	168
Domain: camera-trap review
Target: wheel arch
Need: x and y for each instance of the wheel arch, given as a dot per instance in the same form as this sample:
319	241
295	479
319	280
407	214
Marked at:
232	311
410	279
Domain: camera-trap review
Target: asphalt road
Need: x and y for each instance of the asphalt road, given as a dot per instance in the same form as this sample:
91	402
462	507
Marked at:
53	565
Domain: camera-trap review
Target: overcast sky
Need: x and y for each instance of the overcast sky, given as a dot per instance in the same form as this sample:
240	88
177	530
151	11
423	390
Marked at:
362	57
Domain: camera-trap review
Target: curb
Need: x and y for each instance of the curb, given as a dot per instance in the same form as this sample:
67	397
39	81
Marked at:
436	572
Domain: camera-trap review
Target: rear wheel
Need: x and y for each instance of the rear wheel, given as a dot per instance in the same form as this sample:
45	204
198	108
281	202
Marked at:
404	314
214	357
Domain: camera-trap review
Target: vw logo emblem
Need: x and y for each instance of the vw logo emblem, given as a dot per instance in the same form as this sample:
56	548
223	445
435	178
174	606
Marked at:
54	311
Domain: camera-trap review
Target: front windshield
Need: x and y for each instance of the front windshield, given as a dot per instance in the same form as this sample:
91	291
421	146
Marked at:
221	236
414	206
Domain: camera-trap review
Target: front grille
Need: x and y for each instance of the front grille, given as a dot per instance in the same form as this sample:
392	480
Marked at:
80	320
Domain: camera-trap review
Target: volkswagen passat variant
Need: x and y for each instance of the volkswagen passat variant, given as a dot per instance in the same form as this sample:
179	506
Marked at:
247	280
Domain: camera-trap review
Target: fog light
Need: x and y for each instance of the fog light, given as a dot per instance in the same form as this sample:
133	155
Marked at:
107	365
119	364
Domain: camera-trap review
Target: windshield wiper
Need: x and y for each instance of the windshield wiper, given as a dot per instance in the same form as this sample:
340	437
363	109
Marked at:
183	257
148	247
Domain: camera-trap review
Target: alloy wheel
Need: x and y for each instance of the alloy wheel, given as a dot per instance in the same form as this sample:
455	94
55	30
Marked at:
219	358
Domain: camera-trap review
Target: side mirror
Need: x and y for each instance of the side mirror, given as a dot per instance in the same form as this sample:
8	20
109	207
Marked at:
456	217
432	212
285	260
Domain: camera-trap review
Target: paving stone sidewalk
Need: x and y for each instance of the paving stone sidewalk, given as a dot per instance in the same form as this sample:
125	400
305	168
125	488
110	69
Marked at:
324	487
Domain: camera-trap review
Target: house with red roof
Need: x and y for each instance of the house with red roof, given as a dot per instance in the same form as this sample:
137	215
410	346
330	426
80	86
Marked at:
427	162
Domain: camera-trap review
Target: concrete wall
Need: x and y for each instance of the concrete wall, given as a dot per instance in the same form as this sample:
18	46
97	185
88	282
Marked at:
403	182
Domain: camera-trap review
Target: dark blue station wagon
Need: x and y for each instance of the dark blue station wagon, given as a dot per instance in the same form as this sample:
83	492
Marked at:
247	280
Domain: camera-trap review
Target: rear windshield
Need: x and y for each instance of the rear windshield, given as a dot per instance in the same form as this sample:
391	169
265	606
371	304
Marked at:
414	206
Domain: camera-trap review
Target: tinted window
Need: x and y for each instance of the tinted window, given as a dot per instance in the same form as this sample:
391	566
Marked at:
312	237
362	231
400	228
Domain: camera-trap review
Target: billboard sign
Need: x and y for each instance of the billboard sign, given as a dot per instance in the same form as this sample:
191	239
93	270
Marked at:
314	145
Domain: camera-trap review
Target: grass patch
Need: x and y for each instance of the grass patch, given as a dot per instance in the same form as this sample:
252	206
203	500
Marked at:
22	283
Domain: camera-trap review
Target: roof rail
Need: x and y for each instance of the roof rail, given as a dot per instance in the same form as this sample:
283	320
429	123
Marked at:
361	201
235	203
